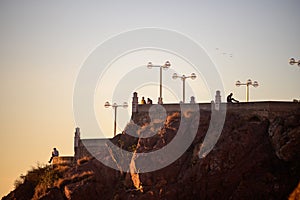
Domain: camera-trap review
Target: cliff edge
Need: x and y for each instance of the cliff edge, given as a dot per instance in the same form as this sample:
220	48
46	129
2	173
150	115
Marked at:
256	157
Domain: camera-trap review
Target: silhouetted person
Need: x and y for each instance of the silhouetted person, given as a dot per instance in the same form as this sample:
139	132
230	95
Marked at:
192	99
230	99
55	153
143	101
149	101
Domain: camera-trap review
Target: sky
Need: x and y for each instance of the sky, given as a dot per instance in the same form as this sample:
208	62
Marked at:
45	44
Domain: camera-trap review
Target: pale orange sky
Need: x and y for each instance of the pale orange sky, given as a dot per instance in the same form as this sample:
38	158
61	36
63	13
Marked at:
45	43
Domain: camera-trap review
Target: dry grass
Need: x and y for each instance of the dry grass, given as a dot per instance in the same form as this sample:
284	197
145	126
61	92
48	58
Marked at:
45	179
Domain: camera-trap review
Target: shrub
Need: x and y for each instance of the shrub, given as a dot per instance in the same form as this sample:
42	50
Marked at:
48	177
19	181
46	180
41	178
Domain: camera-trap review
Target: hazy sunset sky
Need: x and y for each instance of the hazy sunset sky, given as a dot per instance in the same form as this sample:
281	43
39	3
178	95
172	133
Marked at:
43	45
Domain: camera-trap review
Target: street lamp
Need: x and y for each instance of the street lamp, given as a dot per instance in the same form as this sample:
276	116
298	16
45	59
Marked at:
183	77
115	106
249	82
292	61
165	66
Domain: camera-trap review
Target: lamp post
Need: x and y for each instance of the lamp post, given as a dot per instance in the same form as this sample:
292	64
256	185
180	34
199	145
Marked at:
249	82
115	106
292	61
183	77
165	66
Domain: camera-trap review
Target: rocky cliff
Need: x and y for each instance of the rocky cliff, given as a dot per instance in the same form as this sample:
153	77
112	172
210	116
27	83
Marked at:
256	157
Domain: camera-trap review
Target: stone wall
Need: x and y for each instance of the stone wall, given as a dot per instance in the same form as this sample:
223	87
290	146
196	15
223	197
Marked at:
269	109
61	160
89	147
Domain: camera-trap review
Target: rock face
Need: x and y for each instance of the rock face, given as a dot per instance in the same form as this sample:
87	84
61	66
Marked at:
254	158
285	137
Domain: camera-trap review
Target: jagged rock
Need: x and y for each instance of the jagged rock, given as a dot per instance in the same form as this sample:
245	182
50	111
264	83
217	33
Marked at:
53	193
24	192
285	137
296	193
254	158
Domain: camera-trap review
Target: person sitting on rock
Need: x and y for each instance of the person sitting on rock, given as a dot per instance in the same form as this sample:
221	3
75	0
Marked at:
230	99
55	153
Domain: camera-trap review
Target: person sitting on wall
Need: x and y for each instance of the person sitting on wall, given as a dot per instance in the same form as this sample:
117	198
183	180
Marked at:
143	101
55	153
149	101
230	99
